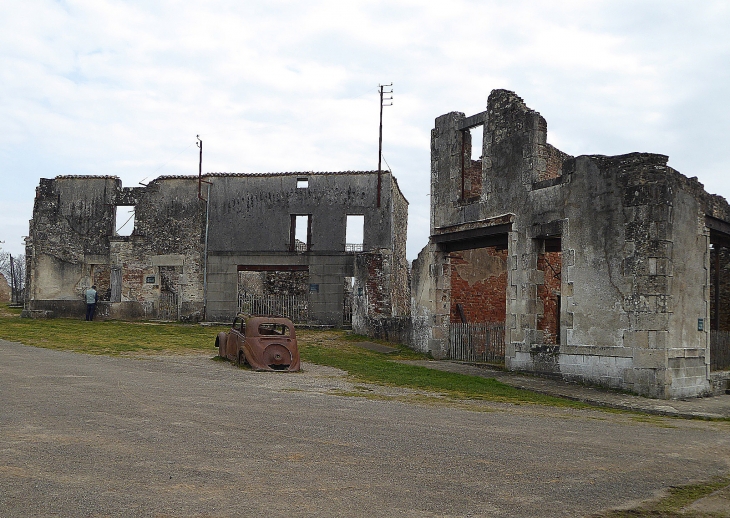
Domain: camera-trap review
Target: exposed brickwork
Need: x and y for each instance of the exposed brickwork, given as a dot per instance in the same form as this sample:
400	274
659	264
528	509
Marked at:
471	169
100	278
550	263
376	285
479	284
554	159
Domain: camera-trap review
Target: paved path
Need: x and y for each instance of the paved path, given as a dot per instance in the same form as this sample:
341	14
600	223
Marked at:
705	408
87	436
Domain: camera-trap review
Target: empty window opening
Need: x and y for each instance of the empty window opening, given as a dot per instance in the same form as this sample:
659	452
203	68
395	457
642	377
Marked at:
302	183
300	236
124	225
550	262
471	163
355	233
477	137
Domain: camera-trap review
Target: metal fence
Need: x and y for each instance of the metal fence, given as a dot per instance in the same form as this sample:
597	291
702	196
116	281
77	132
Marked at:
719	350
477	342
293	307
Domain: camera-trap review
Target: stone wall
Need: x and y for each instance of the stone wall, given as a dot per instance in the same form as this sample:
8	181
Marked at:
621	300
162	269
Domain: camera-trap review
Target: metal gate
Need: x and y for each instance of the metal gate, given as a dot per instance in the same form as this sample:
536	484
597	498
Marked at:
293	307
169	293
479	343
168	306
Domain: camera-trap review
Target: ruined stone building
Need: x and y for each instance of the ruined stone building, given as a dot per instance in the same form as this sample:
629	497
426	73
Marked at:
263	243
612	270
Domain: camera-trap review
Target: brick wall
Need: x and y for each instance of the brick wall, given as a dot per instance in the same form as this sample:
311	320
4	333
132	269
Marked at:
479	284
550	263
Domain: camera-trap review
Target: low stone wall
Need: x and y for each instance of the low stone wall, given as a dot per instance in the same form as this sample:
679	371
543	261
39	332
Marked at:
397	330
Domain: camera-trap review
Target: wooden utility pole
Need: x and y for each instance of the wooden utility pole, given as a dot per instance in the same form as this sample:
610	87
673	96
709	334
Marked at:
199	143
380	132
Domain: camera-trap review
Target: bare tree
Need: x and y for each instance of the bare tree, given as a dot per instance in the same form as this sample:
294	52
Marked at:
13	268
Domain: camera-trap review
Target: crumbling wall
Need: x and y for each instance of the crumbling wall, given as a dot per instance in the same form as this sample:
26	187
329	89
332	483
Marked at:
169	232
250	224
400	288
431	301
160	270
622	302
72	219
73	245
373	311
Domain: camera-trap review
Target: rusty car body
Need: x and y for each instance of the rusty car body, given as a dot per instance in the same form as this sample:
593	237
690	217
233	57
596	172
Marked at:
265	343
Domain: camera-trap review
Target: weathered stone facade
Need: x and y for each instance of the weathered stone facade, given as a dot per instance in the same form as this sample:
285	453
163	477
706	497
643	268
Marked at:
608	276
185	256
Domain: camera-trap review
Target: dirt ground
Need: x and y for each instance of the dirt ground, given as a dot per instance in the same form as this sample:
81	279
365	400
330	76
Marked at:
187	436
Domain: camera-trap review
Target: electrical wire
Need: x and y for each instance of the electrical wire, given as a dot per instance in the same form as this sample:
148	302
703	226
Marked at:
130	219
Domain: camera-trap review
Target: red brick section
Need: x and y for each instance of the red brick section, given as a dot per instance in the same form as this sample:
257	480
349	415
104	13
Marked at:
550	263
377	286
554	159
472	179
483	301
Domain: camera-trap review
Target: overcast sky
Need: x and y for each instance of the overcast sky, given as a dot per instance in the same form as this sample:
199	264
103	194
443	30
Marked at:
122	88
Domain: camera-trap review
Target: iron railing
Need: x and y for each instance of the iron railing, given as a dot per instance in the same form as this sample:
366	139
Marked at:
480	343
293	307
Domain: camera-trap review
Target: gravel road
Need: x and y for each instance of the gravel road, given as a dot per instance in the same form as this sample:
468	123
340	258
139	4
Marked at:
187	436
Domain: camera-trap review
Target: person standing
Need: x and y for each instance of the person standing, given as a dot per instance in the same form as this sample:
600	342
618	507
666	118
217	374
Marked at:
92	297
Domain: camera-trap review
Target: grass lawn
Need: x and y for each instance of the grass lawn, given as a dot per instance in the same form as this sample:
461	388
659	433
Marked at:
334	348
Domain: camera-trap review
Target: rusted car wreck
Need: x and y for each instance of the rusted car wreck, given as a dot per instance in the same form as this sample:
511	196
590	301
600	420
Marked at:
265	343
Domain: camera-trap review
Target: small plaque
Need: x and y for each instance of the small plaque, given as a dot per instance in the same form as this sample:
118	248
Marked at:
150	279
700	324
314	288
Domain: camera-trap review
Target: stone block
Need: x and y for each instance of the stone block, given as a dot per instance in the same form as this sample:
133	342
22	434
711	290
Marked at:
650	358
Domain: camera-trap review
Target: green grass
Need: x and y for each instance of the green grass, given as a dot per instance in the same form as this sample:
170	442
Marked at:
332	348
672	505
373	367
110	337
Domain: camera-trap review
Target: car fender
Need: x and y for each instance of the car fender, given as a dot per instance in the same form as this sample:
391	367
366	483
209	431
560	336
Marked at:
220	342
